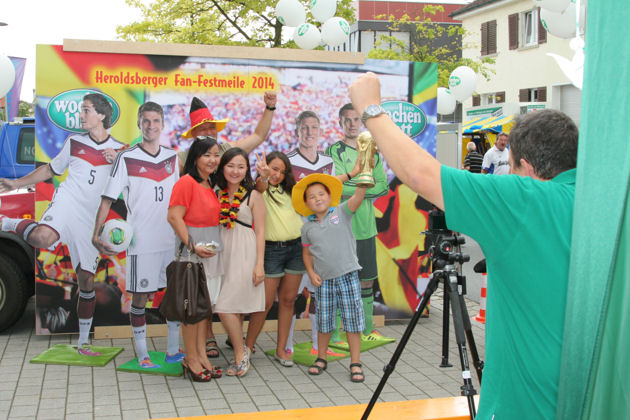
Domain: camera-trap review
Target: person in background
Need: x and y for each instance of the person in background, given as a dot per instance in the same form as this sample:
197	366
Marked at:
497	160
473	160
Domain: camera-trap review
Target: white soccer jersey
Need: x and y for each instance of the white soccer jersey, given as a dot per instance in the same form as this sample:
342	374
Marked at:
302	166
87	172
146	182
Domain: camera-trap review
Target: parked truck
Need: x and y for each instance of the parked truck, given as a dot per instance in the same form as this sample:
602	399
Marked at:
17	258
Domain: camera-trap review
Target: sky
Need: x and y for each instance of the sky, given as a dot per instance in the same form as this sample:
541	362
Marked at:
32	22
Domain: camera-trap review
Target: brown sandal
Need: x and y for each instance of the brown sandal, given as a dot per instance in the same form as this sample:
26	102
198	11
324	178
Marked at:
319	368
356	376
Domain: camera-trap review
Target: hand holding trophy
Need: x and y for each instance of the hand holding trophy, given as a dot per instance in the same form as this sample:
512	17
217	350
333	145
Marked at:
367	149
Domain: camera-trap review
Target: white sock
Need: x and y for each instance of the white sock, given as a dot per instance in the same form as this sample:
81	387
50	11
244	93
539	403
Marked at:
173	337
9	225
313	318
289	345
84	331
140	338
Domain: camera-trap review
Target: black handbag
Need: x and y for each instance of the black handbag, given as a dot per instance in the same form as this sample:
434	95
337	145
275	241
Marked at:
186	298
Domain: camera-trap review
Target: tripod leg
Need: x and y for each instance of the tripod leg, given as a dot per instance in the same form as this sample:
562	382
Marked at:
389	368
477	363
445	326
460	336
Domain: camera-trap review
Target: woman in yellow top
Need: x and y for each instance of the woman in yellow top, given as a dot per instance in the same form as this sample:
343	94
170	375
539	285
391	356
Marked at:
283	251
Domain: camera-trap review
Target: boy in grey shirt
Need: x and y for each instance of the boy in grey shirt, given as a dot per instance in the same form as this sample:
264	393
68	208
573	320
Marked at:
330	257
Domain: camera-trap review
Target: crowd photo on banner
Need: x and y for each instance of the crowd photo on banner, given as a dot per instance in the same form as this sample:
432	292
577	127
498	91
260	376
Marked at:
151	163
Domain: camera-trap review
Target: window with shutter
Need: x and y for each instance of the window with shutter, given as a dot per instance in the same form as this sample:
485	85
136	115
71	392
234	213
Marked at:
476	100
542	32
492	37
523	95
513	31
484	38
542	94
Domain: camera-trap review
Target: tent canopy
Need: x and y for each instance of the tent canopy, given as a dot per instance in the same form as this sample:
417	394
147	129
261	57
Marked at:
491	124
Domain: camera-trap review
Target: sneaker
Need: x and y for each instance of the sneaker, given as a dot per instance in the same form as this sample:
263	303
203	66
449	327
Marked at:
329	353
175	358
85	349
375	337
148	364
343	345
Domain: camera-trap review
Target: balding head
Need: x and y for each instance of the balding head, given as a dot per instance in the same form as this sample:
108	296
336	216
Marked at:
471	146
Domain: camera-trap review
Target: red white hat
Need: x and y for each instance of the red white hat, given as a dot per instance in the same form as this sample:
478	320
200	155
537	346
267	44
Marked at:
199	114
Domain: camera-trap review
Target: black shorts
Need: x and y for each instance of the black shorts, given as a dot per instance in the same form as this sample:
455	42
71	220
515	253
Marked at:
366	252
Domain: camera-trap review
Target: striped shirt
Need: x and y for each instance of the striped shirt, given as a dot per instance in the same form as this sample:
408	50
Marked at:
473	161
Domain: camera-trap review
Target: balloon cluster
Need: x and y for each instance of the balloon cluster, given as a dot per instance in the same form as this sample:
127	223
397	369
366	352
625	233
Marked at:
462	83
334	30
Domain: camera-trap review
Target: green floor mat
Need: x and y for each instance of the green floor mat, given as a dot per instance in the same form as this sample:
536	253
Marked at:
157	357
66	354
365	345
302	354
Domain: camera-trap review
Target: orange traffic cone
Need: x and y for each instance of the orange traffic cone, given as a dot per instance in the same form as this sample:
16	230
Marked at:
482	309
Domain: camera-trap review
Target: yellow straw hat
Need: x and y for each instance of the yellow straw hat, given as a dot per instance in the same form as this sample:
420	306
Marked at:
297	196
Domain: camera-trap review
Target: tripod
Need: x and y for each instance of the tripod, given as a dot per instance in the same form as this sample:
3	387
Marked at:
443	259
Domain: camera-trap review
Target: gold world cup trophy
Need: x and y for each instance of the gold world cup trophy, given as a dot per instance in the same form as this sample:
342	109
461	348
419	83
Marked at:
367	149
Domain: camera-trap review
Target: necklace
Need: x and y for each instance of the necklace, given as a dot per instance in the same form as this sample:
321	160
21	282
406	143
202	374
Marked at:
229	211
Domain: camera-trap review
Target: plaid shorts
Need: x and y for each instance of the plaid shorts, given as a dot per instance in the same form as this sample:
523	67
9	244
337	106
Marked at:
344	293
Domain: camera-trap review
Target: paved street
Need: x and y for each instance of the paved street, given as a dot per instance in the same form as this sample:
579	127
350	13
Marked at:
55	392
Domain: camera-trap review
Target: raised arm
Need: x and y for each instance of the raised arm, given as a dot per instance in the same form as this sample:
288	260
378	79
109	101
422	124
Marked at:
355	201
414	166
261	131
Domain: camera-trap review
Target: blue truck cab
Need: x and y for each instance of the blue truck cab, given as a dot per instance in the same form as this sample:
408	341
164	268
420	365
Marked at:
17	148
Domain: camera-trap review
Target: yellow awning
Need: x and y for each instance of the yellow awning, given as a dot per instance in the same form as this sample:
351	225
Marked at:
492	124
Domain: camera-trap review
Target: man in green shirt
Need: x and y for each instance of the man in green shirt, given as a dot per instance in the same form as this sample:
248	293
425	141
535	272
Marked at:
344	154
526	244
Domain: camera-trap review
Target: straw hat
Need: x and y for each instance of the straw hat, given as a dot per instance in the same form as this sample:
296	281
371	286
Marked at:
333	184
199	114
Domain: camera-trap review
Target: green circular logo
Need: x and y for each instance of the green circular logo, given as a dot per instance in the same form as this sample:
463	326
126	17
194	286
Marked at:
344	26
454	81
64	109
411	119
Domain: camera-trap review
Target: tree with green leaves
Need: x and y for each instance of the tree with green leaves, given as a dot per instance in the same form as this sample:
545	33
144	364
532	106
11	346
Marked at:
25	109
430	42
216	22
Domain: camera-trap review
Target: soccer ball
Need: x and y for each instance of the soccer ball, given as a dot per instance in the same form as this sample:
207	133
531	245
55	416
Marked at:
117	234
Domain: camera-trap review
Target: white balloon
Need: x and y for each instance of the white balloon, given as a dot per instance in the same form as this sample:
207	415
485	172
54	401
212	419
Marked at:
7	75
462	83
323	10
446	103
562	24
307	36
553	5
335	31
290	12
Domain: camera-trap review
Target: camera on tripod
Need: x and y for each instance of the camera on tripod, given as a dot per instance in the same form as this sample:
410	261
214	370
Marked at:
445	244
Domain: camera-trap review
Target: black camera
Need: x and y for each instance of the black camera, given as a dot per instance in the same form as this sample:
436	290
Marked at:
444	248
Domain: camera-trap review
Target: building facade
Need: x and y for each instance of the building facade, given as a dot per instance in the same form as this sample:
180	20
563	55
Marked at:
526	78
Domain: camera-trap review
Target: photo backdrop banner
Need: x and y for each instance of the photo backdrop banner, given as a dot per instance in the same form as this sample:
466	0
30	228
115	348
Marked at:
231	88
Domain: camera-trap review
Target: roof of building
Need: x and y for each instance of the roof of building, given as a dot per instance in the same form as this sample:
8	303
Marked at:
472	6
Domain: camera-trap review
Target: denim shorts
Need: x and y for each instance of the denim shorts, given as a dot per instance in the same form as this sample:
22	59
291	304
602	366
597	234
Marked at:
283	258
